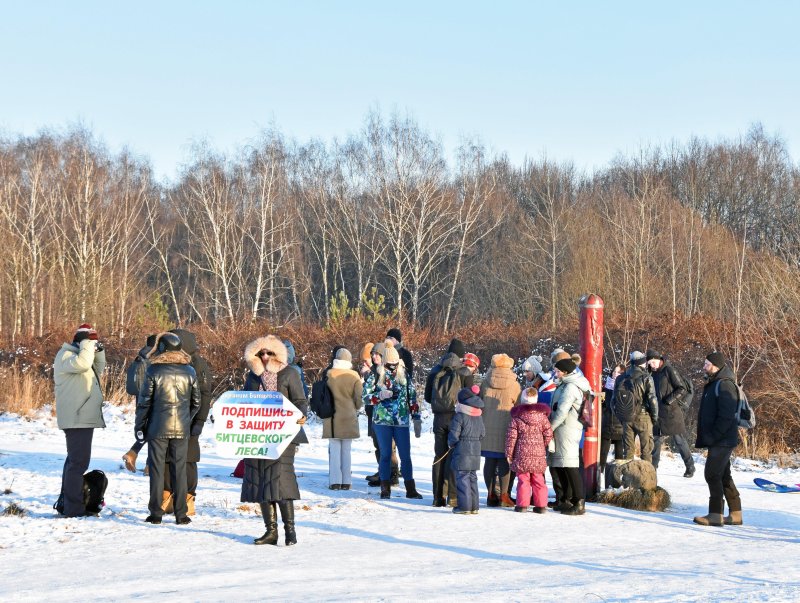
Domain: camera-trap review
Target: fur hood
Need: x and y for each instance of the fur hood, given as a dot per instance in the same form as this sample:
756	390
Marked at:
171	357
500	378
269	343
502	361
527	410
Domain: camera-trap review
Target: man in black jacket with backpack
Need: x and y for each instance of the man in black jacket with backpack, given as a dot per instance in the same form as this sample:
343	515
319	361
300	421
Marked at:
636	407
718	430
673	394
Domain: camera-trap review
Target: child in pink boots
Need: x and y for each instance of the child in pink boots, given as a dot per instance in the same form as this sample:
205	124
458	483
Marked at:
528	435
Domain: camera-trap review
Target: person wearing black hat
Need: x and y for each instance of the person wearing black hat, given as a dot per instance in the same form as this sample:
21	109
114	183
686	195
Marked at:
671	391
446	379
396	338
718	431
634	389
168	402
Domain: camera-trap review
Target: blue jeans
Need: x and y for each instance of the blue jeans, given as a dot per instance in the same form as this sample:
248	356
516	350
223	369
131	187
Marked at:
402	439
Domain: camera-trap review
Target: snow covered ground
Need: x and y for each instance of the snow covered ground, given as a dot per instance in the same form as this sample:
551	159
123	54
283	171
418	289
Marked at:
353	546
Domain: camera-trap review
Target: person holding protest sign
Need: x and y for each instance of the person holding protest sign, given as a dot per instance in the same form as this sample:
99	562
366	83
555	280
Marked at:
272	483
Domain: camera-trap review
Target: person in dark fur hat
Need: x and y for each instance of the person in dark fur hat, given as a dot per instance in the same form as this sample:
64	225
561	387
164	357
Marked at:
464	438
273	483
168	402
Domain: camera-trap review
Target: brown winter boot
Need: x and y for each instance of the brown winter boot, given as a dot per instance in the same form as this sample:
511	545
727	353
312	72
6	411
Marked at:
712	519
190	504
505	500
734	519
129	458
166	502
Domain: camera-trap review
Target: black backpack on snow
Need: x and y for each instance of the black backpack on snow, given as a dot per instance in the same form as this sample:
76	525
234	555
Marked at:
625	405
95	483
322	399
446	385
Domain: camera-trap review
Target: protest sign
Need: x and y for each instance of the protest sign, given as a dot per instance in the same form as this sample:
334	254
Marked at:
254	424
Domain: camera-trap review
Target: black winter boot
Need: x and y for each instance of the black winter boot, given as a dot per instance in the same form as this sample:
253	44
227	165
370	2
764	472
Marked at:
411	490
287	517
579	508
271	521
386	489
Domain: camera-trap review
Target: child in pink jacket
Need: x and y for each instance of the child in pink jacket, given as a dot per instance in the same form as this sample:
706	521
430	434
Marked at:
527	438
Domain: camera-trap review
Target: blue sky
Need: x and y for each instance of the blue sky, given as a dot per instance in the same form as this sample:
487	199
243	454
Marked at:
575	80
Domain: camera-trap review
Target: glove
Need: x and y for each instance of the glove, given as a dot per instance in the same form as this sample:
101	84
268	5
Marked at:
551	447
98	346
140	436
385	394
197	429
415	408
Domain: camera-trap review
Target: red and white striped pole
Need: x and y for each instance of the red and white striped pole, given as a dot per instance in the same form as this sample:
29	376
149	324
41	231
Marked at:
591	349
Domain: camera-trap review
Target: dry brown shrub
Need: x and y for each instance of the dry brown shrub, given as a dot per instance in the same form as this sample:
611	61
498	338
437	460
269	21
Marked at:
24	391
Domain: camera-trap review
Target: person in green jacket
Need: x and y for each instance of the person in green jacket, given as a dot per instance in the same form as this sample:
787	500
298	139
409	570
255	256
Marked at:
79	409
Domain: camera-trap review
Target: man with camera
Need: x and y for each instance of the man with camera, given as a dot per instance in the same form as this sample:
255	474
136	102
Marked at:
79	409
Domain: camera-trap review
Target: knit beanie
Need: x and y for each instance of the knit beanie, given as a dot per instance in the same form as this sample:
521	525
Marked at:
395	333
529	396
390	355
379	348
717	359
471	360
533	364
456	347
465	393
653	355
566	365
638	358
343	354
85	331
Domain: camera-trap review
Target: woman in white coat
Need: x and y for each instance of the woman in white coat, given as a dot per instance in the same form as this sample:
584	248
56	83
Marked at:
567	431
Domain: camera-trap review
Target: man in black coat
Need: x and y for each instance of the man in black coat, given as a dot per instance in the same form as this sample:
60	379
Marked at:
168	403
718	430
670	391
455	377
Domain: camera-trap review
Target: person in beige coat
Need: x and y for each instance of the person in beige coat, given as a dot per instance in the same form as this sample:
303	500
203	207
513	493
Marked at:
500	392
79	409
341	429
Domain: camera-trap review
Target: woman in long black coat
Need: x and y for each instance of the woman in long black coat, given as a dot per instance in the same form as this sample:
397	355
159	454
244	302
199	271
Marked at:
272	483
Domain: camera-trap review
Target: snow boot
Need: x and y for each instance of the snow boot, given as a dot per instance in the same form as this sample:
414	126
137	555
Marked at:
506	500
374	483
411	489
271	522
689	471
492	500
521	509
129	458
540	510
190	504
579	508
182	521
154	519
733	519
386	489
287	517
712	519
167	502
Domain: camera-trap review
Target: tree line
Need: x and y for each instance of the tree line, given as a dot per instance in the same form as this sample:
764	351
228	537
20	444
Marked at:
381	223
